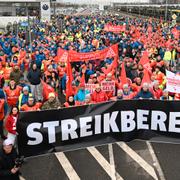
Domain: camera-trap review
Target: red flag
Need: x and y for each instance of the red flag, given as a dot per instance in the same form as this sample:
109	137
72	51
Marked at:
144	59
82	81
149	29
137	33
123	77
146	77
111	67
46	90
22	54
175	32
69	79
115	62
62	55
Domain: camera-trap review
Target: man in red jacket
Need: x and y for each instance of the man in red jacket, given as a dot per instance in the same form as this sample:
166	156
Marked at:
98	95
12	92
157	92
31	105
3	111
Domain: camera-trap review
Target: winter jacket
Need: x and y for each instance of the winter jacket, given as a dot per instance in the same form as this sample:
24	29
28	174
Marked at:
38	59
157	93
3	109
12	95
51	105
11	124
35	107
16	75
34	76
2	94
23	99
7	162
80	96
99	96
144	95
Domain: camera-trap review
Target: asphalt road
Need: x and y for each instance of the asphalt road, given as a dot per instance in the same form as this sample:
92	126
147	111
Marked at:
137	160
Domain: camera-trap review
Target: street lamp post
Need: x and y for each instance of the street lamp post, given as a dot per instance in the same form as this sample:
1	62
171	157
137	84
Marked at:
166	10
29	27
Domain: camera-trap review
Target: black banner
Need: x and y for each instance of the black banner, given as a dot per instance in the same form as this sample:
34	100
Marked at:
70	128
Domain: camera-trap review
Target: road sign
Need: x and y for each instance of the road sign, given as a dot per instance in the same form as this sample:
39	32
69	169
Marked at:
174	16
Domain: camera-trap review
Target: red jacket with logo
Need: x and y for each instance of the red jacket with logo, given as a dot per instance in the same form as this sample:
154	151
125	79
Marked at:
99	96
157	93
25	107
12	95
11	124
2	103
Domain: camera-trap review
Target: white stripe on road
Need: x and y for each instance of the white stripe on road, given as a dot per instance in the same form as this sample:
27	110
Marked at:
156	161
111	160
21	178
102	161
71	173
148	168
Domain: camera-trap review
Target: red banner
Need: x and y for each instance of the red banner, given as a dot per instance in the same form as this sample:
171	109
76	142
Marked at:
62	55
109	52
115	29
72	56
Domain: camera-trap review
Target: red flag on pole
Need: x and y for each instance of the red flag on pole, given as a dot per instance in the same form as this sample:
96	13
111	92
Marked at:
144	59
123	77
146	77
82	81
175	32
46	90
69	79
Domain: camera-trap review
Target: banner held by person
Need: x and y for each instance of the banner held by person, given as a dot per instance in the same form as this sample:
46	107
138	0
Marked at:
173	82
73	56
115	29
82	126
90	87
108	85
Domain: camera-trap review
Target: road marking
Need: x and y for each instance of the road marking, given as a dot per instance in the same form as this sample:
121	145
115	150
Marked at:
111	160
156	161
148	168
71	173
21	178
102	161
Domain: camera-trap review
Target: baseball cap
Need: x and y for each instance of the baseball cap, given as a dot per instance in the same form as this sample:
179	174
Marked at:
7	142
25	88
31	97
51	95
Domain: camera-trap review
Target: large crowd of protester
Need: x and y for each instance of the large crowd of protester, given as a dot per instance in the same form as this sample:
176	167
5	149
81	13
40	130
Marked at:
28	70
34	76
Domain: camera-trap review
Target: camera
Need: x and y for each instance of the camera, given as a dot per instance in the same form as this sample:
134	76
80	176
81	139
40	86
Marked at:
19	161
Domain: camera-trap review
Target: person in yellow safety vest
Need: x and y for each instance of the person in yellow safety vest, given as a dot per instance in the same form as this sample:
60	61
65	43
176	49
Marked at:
160	77
167	57
70	38
23	98
174	54
173	62
78	35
